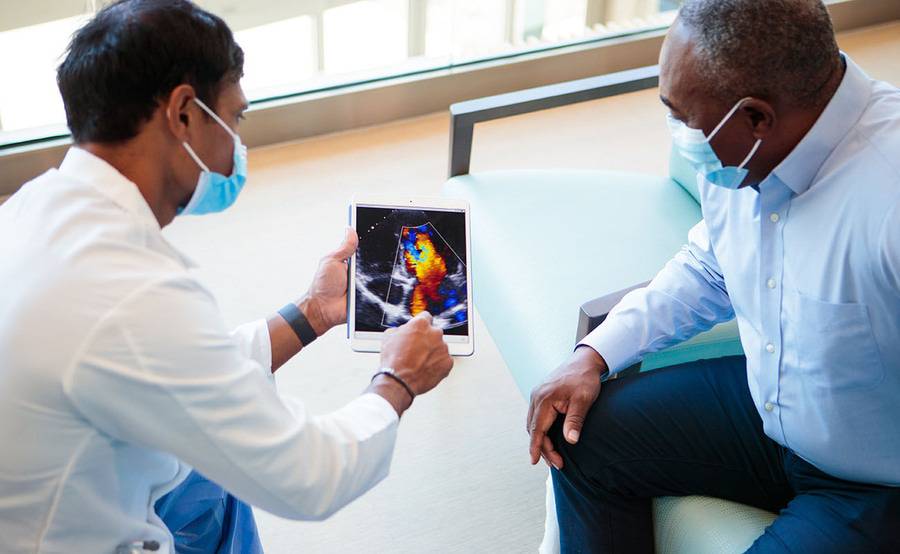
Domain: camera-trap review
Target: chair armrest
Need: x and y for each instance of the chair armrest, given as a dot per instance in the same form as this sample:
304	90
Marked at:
464	115
721	340
594	312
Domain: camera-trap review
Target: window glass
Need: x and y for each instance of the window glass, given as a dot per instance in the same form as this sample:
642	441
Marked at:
308	45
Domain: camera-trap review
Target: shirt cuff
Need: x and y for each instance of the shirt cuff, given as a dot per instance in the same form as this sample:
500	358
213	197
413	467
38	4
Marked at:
256	344
379	406
616	343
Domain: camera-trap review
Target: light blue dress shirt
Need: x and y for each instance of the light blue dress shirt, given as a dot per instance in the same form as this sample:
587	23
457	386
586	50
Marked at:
810	267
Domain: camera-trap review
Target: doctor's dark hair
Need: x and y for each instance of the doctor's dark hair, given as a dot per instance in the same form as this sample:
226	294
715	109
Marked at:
764	48
126	60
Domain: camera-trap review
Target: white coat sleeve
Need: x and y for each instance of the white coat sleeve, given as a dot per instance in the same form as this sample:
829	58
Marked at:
688	296
255	343
161	371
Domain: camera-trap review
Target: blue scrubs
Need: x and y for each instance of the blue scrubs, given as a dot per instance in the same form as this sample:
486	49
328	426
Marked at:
205	519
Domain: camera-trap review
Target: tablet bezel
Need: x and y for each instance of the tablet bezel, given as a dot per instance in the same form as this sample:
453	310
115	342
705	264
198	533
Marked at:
422	203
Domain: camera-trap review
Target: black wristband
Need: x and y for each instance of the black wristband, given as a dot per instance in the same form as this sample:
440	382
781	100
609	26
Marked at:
298	322
393	375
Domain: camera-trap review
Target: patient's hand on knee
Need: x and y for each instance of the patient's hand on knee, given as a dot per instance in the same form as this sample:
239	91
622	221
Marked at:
570	390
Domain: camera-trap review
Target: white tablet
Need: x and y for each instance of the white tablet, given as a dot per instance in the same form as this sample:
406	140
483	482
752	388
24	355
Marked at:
413	256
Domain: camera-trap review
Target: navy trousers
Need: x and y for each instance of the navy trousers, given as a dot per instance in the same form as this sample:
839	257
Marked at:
693	429
206	519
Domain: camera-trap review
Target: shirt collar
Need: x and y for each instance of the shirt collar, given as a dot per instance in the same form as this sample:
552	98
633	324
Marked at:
800	167
92	170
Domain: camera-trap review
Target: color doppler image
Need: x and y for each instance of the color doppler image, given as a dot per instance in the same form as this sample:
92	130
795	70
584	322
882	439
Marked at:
410	261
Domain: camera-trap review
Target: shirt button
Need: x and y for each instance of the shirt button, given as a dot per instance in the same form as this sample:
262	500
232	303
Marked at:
770	283
770	348
774	218
769	406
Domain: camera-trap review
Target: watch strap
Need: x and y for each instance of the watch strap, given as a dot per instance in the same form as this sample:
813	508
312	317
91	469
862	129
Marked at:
298	322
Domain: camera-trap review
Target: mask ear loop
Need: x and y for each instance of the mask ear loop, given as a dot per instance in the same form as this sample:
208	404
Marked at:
195	157
750	155
726	118
215	117
218	120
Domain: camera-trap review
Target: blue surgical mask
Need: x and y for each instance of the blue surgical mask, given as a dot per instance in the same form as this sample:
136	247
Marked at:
694	147
216	192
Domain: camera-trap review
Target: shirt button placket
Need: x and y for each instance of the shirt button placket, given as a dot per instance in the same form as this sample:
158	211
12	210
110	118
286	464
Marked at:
772	202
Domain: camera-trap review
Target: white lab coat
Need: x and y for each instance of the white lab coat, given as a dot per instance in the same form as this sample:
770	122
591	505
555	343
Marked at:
117	375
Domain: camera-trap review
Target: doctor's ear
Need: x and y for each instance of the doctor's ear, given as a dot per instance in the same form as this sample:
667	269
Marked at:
761	116
180	109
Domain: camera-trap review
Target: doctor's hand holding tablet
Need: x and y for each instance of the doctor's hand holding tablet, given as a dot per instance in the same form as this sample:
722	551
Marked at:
414	356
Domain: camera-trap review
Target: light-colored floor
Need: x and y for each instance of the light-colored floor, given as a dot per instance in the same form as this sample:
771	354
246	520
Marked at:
460	481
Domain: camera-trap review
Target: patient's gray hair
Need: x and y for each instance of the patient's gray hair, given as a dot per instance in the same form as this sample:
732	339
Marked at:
764	48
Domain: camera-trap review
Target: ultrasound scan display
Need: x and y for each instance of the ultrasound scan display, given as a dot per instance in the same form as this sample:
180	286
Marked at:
410	261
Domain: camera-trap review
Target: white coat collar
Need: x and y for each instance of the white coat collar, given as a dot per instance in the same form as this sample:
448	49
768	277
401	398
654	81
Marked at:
83	166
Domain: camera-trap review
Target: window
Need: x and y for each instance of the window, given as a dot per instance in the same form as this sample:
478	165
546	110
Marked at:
299	47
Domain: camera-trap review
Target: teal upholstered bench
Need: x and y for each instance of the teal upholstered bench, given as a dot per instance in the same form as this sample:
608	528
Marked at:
547	242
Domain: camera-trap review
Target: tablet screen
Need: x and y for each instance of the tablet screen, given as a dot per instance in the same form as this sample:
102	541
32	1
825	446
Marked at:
410	261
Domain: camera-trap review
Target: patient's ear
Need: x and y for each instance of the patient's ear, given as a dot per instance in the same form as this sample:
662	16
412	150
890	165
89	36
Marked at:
761	117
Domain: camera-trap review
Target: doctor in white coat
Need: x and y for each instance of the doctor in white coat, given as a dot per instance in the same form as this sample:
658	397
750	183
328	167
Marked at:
117	374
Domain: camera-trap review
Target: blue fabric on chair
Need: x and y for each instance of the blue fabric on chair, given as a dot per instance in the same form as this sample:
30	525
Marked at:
546	241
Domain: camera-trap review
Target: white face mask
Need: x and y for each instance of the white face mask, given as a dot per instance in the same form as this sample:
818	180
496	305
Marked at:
694	147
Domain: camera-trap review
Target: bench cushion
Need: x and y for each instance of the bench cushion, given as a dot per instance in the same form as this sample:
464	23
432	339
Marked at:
703	525
685	525
684	174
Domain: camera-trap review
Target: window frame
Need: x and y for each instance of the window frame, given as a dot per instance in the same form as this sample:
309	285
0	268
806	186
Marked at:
381	100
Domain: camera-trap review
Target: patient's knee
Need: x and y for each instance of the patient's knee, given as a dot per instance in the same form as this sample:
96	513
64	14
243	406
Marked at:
596	458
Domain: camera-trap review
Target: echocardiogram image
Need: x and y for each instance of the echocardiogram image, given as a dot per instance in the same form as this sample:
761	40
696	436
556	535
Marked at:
410	261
